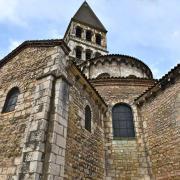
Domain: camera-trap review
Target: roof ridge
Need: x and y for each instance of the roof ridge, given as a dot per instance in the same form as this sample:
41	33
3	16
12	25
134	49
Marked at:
84	14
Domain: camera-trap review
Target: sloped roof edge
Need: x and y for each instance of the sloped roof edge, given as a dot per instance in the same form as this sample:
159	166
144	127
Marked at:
36	43
161	84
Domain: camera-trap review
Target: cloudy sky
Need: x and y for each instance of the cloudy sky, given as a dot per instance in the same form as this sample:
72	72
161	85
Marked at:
146	29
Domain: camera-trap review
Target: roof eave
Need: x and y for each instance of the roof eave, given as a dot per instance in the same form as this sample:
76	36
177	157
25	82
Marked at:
35	43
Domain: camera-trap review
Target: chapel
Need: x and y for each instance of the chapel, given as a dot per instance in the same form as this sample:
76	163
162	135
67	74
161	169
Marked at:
72	110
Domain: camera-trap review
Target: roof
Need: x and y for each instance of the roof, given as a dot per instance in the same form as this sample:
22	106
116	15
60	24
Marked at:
35	43
160	85
120	59
86	15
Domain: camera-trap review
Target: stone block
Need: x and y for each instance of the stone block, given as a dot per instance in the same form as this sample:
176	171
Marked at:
58	128
17	160
37	136
54	148
60	160
52	158
54	169
35	167
61	141
50	177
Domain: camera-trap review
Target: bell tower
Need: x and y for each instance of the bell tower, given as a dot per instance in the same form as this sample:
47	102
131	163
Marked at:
86	35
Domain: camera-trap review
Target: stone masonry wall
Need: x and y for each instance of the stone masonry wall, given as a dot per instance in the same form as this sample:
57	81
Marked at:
84	158
19	127
161	122
125	158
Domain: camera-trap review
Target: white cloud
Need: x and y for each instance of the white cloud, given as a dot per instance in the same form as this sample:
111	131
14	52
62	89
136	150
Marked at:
21	12
54	34
9	9
13	44
156	72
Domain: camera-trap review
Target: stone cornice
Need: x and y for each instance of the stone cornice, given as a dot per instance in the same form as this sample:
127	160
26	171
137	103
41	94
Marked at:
119	59
126	81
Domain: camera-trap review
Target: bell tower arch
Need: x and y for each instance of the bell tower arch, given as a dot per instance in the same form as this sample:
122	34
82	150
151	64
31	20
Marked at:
86	35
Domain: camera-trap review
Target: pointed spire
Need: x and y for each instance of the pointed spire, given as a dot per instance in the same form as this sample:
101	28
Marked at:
86	15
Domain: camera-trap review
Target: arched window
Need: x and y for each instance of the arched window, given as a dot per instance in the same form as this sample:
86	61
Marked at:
88	118
103	75
97	54
132	76
88	54
88	35
78	52
78	31
98	39
122	118
11	100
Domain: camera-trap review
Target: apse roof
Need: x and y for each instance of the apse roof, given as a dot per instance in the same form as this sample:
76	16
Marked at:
86	15
120	59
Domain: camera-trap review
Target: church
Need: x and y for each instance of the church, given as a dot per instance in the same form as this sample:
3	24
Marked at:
71	110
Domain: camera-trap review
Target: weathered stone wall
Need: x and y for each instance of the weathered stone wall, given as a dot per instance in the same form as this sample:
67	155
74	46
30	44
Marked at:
126	157
23	127
84	158
21	72
161	122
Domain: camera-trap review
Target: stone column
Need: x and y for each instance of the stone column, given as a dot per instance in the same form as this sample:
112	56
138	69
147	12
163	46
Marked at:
56	143
84	54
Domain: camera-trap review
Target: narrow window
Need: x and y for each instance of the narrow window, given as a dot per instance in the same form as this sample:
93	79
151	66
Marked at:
122	118
98	39
78	52
88	118
11	100
88	35
78	32
97	54
88	54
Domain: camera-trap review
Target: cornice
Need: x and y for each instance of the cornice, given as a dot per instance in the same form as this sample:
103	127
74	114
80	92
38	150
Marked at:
126	81
119	59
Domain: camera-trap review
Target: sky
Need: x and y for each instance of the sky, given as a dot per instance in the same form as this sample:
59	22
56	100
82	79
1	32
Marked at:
146	29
